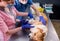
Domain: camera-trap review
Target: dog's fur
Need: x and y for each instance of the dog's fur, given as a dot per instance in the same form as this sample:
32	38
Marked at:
39	31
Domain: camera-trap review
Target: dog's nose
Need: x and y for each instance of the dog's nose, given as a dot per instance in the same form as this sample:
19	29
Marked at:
29	36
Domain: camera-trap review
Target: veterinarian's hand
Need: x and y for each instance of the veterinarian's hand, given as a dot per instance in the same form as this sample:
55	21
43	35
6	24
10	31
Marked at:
23	22
41	18
27	26
30	15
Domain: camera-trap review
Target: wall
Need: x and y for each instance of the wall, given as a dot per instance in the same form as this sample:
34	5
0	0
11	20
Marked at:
56	7
56	2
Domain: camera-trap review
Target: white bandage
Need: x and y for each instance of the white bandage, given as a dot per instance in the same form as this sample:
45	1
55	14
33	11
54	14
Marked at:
31	21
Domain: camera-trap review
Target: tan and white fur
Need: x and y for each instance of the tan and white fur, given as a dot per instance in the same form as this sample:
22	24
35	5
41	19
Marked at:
39	32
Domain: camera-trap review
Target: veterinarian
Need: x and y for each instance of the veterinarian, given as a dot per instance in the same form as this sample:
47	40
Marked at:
22	5
7	21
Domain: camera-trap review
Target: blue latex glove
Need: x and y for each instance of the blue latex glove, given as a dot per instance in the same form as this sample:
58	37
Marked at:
27	26
30	15
42	20
23	22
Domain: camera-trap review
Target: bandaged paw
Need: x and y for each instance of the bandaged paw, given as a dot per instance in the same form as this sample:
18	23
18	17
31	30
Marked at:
31	21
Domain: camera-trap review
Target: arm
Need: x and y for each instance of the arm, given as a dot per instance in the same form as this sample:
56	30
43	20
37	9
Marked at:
20	13
5	29
12	31
27	26
36	11
45	17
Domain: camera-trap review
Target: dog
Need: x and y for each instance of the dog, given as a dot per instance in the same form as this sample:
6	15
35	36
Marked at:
39	32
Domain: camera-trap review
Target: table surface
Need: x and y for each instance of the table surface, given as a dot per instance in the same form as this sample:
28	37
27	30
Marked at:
51	36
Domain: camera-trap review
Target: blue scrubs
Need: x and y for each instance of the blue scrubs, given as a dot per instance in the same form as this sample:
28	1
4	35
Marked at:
22	7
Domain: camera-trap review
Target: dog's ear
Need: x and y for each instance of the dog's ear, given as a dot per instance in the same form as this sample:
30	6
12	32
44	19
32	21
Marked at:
40	30
42	34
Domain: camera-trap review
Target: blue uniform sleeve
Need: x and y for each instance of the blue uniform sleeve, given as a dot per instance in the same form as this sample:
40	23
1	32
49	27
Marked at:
17	5
30	2
15	2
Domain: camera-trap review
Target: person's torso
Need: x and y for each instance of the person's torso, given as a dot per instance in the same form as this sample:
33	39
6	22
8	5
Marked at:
8	17
22	7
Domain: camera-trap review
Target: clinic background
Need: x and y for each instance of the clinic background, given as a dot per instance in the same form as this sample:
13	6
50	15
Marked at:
56	7
55	17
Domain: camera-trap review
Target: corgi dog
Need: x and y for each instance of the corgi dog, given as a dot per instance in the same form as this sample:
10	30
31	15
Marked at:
39	32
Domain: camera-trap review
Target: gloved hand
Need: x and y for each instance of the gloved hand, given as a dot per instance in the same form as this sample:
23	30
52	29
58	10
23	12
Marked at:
23	22
27	26
41	18
30	15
